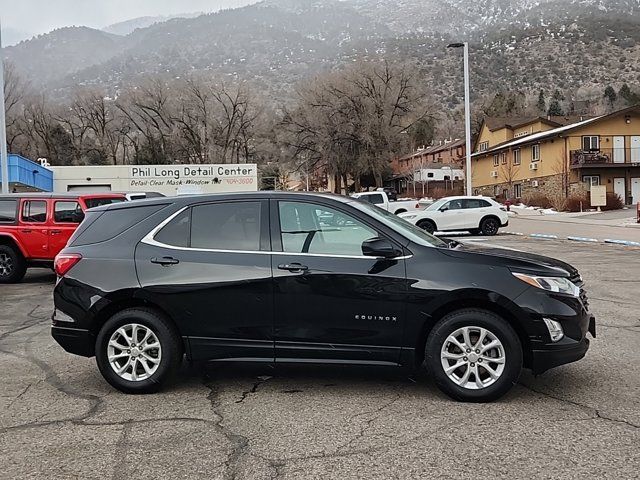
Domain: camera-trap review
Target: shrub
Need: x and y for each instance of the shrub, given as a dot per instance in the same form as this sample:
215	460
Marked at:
537	200
614	202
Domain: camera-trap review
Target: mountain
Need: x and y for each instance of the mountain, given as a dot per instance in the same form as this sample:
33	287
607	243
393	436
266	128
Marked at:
579	46
128	26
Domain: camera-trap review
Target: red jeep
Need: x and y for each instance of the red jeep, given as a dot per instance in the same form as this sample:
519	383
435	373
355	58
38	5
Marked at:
34	227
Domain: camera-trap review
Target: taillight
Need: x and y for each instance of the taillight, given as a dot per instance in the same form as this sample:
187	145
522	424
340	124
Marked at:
65	262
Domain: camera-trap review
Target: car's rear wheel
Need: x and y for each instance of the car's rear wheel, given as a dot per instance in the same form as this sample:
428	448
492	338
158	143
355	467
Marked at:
427	225
12	265
138	351
490	226
474	355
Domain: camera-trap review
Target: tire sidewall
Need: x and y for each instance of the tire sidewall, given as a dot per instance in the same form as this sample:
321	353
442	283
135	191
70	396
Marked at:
431	226
170	351
484	224
19	265
498	327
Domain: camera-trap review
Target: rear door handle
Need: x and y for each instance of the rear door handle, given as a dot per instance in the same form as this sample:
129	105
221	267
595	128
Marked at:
294	267
165	261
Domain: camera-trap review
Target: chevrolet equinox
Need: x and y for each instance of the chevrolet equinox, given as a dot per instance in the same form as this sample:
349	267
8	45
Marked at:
307	278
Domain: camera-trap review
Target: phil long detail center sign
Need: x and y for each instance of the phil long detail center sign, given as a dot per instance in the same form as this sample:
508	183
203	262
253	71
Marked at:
194	178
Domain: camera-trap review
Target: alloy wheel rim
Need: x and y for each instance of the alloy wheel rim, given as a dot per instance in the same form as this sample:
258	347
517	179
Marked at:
134	352
473	357
491	227
6	265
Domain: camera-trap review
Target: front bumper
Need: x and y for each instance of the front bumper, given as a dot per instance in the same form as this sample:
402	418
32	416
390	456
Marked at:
551	355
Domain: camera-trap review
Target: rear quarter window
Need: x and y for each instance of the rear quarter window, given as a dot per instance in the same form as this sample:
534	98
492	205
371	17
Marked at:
102	226
8	210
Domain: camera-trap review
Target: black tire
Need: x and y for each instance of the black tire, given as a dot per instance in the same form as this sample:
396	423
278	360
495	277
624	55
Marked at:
500	329
490	226
427	225
475	231
12	265
170	344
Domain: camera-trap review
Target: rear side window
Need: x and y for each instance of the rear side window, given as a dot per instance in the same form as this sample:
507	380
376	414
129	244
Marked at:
7	211
67	212
34	211
102	226
176	232
98	202
226	226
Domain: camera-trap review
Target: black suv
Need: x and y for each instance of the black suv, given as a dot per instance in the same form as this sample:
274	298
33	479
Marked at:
308	278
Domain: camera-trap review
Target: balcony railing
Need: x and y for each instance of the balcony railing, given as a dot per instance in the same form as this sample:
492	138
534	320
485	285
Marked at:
605	157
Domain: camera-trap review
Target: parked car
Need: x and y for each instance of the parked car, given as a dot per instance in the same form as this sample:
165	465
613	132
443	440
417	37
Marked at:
478	215
263	277
381	199
35	227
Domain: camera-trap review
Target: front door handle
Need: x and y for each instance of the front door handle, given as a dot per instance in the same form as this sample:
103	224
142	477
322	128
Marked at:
165	261
27	230
294	267
56	232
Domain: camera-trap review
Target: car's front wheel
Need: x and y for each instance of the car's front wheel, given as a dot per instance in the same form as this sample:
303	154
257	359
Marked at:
138	350
474	355
427	225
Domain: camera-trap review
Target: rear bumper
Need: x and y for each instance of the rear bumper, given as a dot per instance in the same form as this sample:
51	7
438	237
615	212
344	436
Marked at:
74	340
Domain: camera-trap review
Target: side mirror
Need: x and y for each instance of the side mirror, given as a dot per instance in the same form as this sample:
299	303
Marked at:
379	247
444	209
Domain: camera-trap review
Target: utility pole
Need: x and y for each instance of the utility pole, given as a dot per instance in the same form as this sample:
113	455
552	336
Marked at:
4	160
467	114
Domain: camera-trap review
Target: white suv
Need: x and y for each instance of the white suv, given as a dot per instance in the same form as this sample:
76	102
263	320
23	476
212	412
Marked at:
474	214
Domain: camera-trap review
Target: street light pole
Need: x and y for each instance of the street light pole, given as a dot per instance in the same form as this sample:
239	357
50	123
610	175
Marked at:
4	161
467	114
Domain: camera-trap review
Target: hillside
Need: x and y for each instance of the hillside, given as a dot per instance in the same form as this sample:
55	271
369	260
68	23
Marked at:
579	46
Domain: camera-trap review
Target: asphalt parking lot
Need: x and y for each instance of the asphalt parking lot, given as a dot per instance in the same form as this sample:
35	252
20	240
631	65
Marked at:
59	419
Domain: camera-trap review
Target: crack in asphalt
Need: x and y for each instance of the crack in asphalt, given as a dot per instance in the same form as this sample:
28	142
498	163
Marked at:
368	423
253	389
596	412
120	453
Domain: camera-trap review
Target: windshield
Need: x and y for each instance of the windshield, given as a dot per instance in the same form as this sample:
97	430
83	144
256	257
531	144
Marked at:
406	229
436	205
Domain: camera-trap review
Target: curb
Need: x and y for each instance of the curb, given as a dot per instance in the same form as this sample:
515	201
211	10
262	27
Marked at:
624	243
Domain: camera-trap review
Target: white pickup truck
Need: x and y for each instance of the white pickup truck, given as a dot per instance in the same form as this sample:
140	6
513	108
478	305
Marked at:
381	199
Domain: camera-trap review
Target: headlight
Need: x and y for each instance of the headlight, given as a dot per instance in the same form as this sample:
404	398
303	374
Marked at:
408	217
551	284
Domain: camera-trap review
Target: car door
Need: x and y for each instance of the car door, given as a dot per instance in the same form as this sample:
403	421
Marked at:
33	228
209	266
474	211
67	215
332	304
450	216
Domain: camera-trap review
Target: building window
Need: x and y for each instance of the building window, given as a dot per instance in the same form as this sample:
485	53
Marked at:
516	157
483	147
591	181
503	158
535	153
496	191
517	190
591	142
430	175
496	160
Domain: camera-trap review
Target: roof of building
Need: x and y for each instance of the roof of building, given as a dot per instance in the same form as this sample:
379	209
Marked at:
435	149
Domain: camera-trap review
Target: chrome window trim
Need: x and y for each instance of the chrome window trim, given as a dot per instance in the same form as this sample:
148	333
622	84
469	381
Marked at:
150	240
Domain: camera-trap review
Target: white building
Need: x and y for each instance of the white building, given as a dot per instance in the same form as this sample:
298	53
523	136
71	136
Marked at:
165	179
438	174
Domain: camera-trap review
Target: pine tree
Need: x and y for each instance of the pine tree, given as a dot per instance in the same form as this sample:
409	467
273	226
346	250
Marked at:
542	103
555	110
627	95
611	96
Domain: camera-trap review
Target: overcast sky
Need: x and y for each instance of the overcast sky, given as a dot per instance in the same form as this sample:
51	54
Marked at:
41	16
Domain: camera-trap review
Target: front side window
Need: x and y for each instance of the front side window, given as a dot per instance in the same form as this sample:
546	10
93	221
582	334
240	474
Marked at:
67	212
226	226
34	211
315	229
376	199
454	205
7	211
